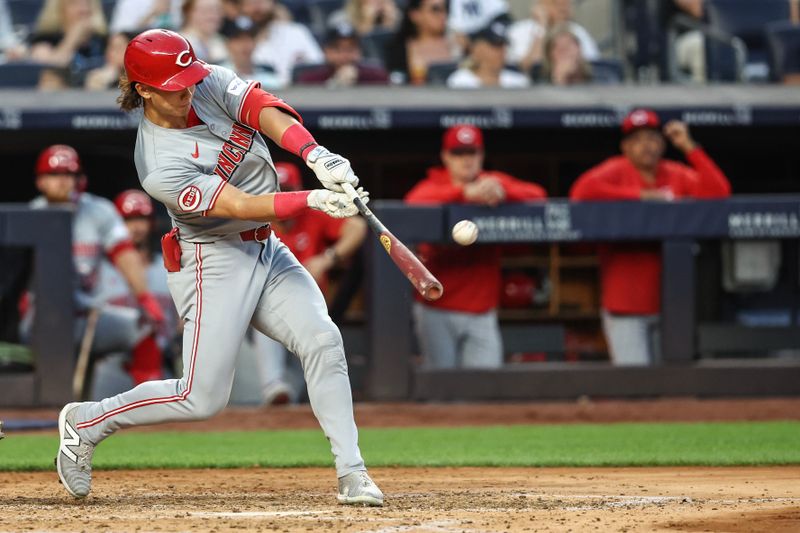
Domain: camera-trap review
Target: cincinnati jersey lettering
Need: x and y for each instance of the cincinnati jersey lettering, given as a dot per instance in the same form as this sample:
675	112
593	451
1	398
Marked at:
234	150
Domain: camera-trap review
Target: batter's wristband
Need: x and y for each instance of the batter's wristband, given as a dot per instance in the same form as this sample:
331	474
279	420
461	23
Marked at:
290	204
298	140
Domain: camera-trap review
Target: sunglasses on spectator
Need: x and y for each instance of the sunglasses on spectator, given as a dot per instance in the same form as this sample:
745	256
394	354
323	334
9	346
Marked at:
464	151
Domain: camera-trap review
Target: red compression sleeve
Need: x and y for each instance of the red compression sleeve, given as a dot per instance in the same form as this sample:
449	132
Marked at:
298	140
256	99
290	204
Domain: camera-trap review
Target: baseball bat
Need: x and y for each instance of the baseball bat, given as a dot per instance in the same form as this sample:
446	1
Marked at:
82	365
420	277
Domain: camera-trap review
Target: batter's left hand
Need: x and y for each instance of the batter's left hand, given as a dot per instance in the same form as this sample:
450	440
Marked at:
678	134
151	307
331	169
335	204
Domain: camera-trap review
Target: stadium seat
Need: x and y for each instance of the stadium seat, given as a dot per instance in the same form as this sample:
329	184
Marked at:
375	44
604	72
298	9
439	72
20	75
744	19
783	48
299	70
24	12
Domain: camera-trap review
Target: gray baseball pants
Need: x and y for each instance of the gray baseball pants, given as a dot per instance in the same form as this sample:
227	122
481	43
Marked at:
222	288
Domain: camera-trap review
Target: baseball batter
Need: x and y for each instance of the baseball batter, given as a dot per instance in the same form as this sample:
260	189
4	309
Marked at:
198	151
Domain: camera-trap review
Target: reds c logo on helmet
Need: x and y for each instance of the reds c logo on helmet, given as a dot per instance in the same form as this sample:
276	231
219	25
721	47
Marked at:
59	159
133	203
164	60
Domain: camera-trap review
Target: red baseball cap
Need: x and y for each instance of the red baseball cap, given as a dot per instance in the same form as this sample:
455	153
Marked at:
640	118
462	136
288	176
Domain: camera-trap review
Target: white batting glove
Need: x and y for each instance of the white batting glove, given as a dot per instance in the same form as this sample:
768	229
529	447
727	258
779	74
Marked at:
335	204
331	169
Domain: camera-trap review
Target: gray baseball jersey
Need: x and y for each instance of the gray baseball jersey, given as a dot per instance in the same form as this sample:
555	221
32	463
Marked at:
97	231
186	169
226	284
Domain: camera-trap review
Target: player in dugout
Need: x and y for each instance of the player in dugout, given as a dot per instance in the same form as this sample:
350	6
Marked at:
98	233
461	328
136	209
631	273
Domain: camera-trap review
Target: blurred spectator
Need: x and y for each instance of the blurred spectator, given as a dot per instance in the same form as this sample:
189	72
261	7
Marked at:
280	43
461	328
343	66
563	62
689	46
134	16
98	233
107	76
11	49
320	244
527	36
367	16
422	40
70	34
232	11
240	35
470	16
485	66
631	273
202	20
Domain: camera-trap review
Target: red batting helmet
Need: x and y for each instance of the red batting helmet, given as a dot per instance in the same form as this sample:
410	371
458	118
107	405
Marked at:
288	176
133	203
59	159
164	60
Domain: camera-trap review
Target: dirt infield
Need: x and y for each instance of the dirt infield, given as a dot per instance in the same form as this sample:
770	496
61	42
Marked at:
437	500
428	499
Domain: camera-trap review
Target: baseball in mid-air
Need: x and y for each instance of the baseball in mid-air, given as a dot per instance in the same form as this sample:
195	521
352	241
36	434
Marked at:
465	232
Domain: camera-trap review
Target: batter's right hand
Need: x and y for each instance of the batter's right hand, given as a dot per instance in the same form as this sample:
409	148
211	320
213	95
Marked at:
331	169
335	204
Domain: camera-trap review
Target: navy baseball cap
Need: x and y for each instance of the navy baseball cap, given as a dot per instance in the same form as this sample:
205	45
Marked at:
495	33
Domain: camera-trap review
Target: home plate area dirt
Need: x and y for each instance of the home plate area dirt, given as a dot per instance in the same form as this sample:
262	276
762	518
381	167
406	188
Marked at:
417	499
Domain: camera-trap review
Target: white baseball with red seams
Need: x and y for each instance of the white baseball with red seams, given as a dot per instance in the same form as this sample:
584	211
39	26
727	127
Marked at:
226	284
465	232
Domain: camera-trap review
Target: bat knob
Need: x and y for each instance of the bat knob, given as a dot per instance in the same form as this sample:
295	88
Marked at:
433	291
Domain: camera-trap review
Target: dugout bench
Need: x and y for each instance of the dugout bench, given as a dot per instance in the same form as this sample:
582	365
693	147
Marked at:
678	226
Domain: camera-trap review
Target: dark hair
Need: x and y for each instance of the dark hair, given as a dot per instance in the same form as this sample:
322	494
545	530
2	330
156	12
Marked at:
407	28
128	99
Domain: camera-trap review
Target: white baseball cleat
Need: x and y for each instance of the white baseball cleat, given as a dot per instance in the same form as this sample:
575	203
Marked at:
74	459
358	488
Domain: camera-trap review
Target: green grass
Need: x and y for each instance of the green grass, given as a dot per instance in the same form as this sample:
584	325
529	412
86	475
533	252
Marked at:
738	443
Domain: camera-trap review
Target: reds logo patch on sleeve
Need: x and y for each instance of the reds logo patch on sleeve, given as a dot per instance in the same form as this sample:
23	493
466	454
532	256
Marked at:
189	198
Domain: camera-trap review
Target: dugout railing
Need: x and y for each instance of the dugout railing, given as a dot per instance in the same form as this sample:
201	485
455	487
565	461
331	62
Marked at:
48	234
678	226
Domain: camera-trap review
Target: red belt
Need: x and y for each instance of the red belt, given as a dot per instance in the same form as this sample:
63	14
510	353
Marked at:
260	234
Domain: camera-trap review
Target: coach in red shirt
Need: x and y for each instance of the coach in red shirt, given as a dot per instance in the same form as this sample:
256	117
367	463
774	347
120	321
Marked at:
631	273
461	328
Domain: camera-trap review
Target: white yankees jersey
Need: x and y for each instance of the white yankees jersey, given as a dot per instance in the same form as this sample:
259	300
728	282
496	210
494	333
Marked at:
186	169
97	232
